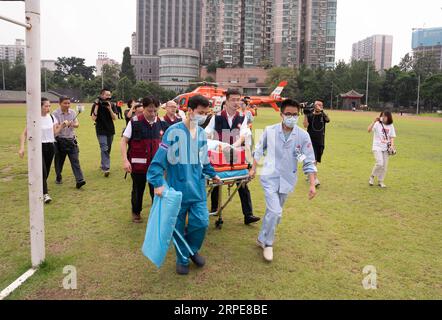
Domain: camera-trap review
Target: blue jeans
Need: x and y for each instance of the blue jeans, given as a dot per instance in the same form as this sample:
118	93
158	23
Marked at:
105	147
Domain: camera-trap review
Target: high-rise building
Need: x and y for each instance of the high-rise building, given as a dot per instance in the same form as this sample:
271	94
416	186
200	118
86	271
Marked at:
377	48
168	24
282	32
428	42
103	60
12	52
134	47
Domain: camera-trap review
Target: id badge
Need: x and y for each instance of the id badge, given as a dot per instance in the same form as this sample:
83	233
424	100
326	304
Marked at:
301	158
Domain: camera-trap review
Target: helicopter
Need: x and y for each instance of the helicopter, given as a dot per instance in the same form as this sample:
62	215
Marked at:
217	97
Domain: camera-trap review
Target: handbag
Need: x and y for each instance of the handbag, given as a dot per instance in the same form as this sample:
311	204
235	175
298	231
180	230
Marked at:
390	148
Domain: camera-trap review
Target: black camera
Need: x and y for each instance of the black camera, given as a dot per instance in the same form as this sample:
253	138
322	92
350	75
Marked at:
308	108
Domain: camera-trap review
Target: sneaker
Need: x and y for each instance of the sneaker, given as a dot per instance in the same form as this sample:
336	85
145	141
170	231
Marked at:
260	244
106	174
80	184
182	270
59	181
198	260
371	181
317	183
382	185
250	219
47	199
268	254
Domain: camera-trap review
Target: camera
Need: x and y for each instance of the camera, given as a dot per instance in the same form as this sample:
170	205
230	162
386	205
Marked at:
308	108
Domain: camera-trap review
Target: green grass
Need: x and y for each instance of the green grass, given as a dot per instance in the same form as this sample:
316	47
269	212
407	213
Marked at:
322	246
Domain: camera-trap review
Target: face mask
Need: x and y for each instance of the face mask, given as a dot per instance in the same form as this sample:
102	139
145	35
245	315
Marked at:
291	122
198	119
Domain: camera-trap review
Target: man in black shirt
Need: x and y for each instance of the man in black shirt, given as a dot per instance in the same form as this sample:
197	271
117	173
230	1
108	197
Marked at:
104	114
315	124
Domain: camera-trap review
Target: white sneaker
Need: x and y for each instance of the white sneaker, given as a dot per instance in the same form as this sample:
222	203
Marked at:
268	254
260	244
371	181
317	183
47	199
382	185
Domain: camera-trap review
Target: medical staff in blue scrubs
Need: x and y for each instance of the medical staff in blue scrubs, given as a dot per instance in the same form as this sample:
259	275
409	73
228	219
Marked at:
285	145
183	156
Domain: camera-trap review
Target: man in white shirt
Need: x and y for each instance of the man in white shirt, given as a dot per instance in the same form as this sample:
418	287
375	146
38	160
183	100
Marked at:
232	129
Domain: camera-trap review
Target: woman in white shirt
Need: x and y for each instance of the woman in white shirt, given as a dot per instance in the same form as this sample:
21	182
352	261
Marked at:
384	135
49	128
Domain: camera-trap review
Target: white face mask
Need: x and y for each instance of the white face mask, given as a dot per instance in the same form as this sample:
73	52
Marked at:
291	122
198	119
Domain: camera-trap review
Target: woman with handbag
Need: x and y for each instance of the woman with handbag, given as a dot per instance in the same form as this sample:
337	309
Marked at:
383	146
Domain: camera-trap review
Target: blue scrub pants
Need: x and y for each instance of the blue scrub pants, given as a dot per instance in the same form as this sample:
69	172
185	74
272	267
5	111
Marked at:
274	204
196	229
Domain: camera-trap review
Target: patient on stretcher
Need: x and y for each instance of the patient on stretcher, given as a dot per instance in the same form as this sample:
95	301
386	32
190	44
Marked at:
225	157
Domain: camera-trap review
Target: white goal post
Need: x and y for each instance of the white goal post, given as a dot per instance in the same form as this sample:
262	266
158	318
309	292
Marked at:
33	101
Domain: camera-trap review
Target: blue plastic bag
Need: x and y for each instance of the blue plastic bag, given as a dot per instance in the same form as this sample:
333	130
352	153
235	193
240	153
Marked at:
161	225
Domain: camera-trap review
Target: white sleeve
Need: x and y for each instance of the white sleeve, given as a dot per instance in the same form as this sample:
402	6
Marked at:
244	131
128	131
210	129
55	120
392	132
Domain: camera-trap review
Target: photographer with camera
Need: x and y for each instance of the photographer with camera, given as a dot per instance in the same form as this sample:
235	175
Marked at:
134	108
103	113
66	142
383	146
315	120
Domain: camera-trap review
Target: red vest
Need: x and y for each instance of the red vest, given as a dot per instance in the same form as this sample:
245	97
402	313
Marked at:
144	143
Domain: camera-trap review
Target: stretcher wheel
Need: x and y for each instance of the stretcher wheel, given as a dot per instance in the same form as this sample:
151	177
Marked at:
219	224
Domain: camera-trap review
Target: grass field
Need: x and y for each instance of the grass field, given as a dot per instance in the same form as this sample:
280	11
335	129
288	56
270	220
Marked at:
322	246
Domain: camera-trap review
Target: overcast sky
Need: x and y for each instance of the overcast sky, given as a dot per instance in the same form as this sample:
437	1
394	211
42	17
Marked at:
84	27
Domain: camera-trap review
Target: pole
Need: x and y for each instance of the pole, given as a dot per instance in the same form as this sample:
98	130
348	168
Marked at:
46	81
368	79
33	101
418	94
331	96
3	75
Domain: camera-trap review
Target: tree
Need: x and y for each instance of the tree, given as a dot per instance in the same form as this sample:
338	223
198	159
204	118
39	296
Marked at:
127	69
111	75
406	63
73	66
211	68
432	90
278	74
221	64
124	89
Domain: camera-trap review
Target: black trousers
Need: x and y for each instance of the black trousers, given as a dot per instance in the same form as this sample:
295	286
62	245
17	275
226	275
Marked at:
244	195
120	113
48	151
138	186
63	148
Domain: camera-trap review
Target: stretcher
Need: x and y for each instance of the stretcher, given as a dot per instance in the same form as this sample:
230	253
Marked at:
233	180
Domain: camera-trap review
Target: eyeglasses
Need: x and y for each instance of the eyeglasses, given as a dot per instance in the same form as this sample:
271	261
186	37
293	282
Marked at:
288	114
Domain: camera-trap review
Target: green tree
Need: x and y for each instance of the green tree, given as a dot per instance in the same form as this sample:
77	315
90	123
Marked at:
127	69
278	74
111	74
432	90
68	66
124	89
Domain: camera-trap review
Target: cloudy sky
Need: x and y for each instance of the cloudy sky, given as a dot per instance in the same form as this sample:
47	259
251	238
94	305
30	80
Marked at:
84	27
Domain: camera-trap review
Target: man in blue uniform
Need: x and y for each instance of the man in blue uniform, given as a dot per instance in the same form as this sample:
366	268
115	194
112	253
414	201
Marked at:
285	145
183	156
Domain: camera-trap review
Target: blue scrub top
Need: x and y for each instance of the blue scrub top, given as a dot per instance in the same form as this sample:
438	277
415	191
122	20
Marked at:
185	161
